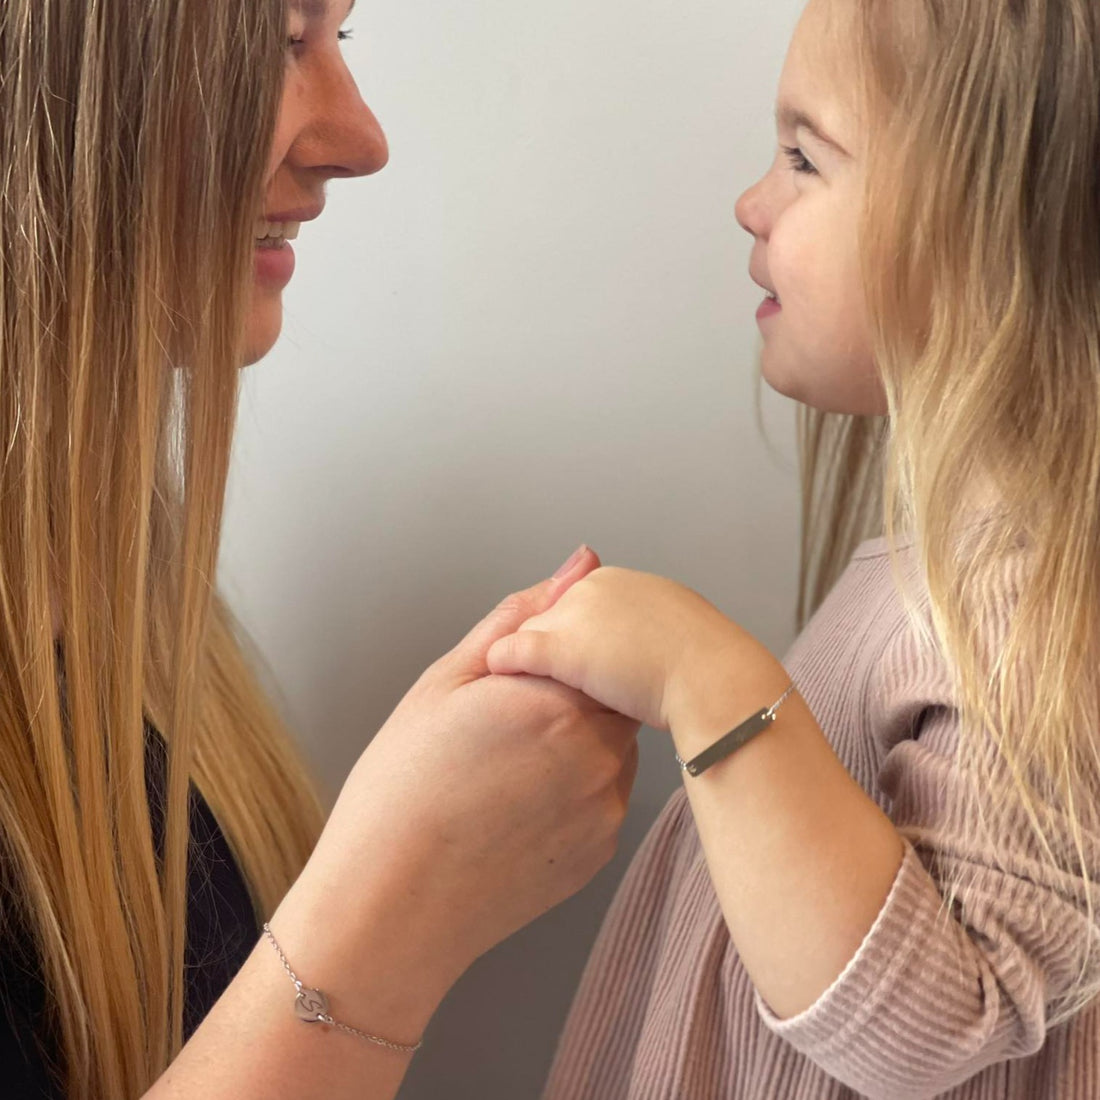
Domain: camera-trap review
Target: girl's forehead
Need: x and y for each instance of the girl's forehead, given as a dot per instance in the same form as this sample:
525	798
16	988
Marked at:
821	74
822	46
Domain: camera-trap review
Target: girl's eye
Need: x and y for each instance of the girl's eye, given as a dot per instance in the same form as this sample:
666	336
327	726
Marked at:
798	160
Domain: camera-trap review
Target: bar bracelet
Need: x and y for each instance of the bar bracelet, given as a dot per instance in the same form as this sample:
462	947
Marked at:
733	740
311	1006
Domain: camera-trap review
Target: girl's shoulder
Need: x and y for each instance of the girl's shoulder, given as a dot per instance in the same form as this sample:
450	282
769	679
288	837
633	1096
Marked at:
869	663
880	547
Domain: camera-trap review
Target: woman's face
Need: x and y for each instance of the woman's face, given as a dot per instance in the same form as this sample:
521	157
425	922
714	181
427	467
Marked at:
324	130
803	216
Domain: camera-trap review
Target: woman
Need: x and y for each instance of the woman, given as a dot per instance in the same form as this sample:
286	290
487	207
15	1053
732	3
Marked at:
153	812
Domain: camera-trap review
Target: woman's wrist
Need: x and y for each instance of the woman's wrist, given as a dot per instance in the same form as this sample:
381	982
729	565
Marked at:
252	1043
382	966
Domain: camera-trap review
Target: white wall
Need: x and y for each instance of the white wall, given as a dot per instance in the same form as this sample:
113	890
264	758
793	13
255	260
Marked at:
534	328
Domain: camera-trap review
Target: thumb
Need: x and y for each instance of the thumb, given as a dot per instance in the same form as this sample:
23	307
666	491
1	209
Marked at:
469	656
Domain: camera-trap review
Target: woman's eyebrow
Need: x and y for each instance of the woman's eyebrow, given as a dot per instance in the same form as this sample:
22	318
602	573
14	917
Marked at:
787	116
314	9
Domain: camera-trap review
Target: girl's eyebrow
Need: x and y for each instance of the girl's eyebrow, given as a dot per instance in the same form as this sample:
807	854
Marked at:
789	117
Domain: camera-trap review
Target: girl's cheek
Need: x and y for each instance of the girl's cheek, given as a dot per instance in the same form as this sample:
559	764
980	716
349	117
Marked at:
791	263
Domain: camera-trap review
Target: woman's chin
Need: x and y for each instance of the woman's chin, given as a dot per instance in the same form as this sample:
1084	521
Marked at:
265	322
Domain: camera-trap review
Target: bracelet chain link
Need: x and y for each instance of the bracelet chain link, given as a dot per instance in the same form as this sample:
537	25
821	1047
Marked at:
311	1006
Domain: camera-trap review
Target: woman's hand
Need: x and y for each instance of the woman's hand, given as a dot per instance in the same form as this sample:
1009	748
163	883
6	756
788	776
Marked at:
482	802
642	645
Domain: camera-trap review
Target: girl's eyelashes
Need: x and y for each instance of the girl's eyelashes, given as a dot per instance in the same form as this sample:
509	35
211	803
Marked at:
798	160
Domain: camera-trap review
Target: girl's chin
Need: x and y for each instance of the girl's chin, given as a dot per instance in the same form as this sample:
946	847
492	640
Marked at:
778	374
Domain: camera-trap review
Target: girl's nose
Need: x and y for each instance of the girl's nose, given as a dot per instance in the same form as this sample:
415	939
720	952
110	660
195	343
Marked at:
751	211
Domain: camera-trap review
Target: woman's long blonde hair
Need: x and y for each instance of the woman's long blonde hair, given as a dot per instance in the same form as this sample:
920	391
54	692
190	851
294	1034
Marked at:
136	138
981	246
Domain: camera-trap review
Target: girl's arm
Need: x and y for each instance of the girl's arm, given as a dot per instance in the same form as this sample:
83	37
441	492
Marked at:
857	961
801	858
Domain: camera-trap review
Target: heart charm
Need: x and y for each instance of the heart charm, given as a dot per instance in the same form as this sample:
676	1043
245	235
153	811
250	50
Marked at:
310	1005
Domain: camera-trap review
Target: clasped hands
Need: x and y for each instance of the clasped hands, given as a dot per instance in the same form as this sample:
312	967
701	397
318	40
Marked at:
644	646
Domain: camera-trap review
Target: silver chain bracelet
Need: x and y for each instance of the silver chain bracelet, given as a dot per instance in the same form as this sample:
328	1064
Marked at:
734	739
311	1006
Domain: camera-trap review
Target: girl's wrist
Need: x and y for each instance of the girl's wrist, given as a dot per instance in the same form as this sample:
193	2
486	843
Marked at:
719	687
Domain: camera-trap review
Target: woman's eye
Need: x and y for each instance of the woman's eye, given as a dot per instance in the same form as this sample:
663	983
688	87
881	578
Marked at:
798	160
341	36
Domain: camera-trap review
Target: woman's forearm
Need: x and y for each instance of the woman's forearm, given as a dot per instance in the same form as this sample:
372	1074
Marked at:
251	1045
801	858
481	803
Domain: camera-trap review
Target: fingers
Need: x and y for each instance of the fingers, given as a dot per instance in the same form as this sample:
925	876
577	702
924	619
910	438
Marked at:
585	561
541	687
510	614
619	736
629	773
536	653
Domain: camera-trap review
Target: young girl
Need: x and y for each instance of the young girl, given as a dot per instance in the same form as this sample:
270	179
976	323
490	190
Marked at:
891	887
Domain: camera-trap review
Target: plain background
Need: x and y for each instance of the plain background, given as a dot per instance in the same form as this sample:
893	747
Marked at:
534	329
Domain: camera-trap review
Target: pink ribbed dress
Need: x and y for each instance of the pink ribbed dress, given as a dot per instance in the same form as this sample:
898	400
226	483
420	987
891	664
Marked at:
934	1003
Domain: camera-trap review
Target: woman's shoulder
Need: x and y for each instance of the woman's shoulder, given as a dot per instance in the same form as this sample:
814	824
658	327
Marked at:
30	1048
222	926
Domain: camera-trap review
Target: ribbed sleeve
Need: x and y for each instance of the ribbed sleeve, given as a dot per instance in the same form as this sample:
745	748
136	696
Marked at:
922	1007
938	1001
934	996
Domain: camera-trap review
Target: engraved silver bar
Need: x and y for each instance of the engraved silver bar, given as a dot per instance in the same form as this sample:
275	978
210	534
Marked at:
731	742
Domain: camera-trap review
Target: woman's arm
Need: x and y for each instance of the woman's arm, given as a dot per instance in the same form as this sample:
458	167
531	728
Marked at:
379	976
482	802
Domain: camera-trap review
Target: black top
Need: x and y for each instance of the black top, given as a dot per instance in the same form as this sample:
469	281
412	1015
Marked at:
221	931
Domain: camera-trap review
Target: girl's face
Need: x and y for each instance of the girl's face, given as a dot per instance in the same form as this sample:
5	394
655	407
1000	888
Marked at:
324	129
803	216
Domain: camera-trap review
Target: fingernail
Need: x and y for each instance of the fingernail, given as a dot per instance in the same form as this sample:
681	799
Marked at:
578	554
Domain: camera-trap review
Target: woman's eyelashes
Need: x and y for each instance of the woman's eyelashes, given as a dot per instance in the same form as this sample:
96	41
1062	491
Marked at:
798	160
341	36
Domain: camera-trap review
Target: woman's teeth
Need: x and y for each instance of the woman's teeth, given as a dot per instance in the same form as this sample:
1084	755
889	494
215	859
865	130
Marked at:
276	232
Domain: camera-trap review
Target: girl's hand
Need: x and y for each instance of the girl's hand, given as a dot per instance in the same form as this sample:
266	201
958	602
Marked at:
640	644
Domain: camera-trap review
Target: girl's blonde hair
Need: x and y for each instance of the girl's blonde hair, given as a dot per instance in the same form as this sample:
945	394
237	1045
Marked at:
981	246
137	140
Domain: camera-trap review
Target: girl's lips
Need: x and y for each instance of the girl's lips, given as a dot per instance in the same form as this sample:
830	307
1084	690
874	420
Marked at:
768	308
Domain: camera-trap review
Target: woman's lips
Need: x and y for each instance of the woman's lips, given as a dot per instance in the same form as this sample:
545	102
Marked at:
274	266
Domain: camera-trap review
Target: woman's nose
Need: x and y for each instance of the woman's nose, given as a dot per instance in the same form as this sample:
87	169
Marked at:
345	139
368	149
